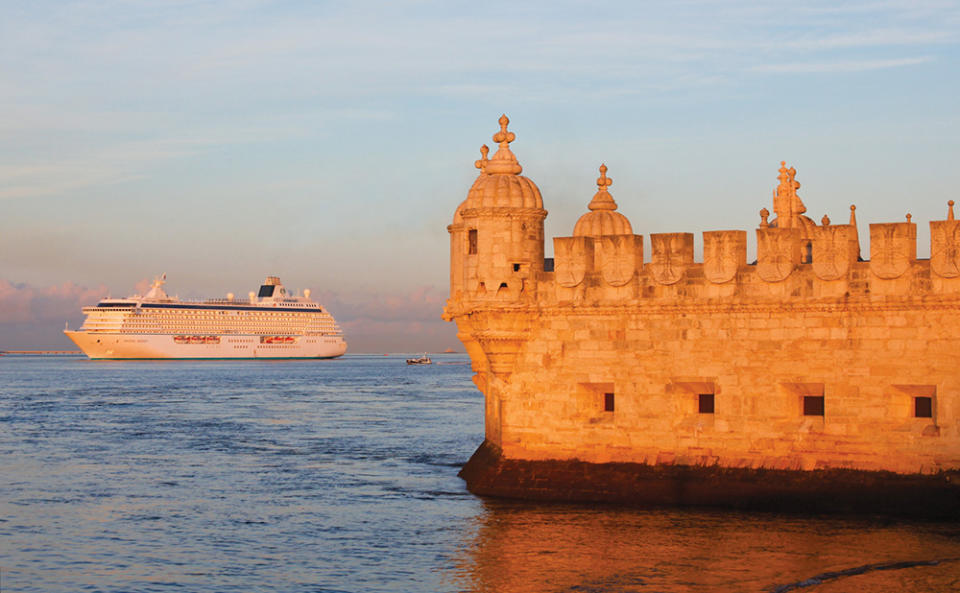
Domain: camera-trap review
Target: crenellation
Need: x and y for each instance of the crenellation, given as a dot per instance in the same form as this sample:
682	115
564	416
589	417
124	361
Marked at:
893	249
724	255
670	256
813	358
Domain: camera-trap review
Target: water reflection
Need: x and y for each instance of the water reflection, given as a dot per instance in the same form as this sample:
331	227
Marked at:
536	548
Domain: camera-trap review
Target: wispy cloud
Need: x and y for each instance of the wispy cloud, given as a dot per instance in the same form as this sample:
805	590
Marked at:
72	165
870	38
400	321
842	66
43	305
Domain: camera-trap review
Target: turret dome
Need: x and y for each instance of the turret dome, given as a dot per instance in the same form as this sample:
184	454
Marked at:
603	219
500	184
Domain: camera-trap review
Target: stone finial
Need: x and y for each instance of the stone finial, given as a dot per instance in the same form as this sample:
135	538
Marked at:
786	203
504	161
950	210
603	182
764	214
825	221
503	137
784	176
853	223
602	200
482	162
909	216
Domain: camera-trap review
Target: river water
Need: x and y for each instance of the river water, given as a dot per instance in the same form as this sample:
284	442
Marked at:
340	476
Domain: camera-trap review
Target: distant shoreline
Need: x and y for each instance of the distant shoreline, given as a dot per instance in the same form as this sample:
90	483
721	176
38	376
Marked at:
41	352
78	352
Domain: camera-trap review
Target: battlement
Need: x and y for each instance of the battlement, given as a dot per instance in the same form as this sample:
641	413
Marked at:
788	266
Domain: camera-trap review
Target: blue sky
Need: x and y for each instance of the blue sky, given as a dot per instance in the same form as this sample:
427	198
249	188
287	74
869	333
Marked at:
329	143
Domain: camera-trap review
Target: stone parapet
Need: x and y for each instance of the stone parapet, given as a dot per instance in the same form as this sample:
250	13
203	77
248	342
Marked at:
590	274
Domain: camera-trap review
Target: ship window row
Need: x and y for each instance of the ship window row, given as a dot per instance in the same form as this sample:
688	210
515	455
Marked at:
178	321
193	331
210	325
242	314
218	321
224	314
228	320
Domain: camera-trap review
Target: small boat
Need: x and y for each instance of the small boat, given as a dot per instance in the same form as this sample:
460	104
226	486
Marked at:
420	360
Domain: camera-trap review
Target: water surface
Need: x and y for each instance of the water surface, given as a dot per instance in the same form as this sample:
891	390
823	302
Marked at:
340	475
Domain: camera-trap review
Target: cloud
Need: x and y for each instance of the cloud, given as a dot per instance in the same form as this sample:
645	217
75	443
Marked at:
33	317
22	303
871	38
367	335
840	66
398	322
69	163
421	304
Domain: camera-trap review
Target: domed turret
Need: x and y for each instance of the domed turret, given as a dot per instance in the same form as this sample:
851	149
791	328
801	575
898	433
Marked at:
500	184
497	232
603	219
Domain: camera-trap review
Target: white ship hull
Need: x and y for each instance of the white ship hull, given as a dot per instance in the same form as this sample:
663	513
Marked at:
97	345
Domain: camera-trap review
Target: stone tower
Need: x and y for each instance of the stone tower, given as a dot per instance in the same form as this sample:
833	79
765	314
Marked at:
497	232
496	249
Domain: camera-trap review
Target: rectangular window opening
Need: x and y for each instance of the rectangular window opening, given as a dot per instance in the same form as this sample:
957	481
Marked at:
706	403
516	267
813	405
608	402
923	407
472	242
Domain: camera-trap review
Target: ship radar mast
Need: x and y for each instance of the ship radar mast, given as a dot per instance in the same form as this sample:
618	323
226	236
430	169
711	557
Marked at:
156	291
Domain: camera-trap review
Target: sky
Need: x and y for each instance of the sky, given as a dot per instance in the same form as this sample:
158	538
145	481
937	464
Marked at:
329	143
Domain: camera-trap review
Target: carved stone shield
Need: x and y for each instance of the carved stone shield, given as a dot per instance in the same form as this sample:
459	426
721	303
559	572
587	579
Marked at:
893	247
723	253
778	253
672	253
945	248
620	258
833	251
573	258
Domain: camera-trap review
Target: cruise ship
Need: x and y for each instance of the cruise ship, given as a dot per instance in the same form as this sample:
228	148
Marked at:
268	324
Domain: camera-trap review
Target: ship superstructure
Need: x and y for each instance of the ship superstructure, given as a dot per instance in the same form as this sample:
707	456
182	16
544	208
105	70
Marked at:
268	324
